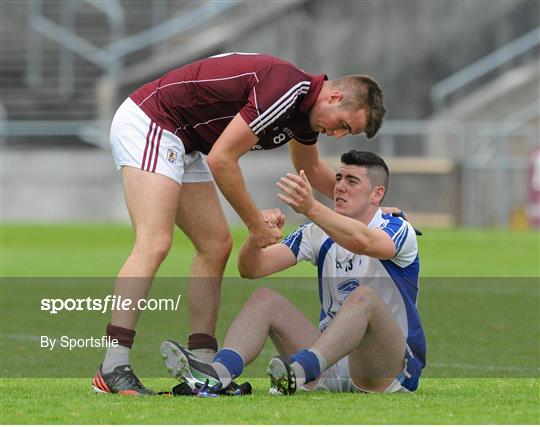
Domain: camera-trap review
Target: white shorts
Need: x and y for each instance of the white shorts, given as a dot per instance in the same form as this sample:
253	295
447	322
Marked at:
337	379
139	142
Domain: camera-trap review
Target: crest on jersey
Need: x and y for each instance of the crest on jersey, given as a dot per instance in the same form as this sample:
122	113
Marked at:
172	156
348	286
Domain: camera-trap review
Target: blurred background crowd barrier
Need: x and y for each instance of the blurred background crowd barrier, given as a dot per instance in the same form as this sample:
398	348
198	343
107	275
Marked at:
461	83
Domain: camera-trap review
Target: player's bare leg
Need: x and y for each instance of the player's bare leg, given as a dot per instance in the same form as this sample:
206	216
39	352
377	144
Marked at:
365	329
201	218
268	313
152	203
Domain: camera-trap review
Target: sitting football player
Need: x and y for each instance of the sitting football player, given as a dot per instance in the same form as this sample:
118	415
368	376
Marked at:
370	338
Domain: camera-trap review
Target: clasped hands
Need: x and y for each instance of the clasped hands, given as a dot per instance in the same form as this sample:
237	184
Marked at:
297	194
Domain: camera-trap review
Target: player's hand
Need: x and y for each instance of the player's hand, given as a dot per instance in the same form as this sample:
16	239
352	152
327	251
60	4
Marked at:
399	213
274	217
393	210
298	194
264	235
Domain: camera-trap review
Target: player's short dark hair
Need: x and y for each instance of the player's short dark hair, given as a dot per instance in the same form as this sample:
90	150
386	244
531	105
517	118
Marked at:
363	92
376	167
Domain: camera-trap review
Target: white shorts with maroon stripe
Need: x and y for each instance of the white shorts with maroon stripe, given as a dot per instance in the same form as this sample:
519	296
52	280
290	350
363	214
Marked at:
139	142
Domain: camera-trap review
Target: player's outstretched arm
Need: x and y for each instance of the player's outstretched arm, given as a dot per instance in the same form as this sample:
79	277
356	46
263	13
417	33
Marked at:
306	158
235	141
347	232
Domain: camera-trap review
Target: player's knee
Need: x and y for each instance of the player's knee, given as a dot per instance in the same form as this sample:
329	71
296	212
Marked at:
265	298
154	249
225	245
216	248
363	296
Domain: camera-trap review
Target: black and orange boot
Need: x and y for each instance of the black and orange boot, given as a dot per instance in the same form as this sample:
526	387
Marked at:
121	381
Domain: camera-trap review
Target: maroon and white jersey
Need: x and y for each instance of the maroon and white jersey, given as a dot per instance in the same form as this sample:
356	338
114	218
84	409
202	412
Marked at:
196	102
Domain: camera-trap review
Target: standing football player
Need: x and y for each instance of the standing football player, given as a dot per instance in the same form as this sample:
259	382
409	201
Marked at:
223	106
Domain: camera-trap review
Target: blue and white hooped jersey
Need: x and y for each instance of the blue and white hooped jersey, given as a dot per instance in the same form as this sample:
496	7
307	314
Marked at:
340	272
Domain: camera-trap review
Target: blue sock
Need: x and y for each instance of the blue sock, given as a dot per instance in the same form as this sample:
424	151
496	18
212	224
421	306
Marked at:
309	362
231	360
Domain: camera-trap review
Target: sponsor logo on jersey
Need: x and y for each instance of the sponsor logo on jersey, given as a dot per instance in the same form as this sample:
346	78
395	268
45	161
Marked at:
348	286
172	156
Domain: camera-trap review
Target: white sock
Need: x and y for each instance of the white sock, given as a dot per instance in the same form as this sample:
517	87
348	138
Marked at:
115	356
322	360
205	354
223	373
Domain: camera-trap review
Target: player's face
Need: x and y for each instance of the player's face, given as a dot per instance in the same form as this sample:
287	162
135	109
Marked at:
333	119
353	192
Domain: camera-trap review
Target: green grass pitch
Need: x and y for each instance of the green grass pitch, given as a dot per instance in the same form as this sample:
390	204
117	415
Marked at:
479	301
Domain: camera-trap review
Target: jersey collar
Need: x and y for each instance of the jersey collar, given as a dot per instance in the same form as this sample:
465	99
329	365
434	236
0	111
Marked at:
376	220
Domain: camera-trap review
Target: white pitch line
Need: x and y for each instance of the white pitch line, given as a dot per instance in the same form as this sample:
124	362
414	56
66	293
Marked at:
482	368
22	337
533	291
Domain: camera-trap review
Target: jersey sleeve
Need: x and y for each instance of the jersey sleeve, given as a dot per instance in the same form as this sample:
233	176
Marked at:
307	138
276	94
404	238
300	242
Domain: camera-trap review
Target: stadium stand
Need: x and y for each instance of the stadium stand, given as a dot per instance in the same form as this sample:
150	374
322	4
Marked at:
53	70
56	100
